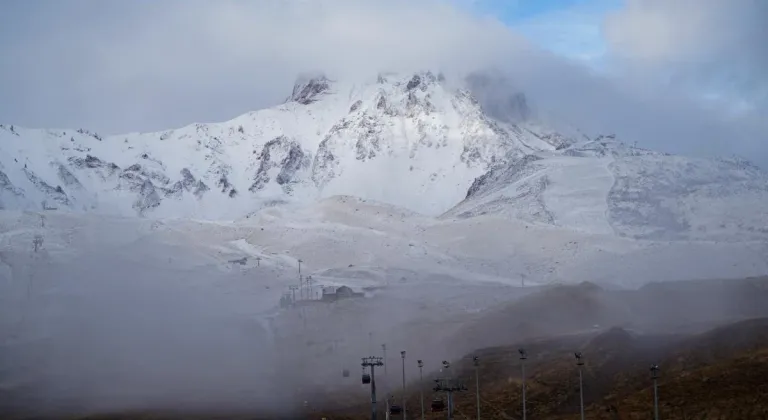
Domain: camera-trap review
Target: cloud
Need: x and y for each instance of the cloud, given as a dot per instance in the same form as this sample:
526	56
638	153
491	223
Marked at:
142	65
715	47
151	65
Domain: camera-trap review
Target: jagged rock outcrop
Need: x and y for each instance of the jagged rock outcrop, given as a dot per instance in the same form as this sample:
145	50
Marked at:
280	159
55	193
148	197
309	88
67	177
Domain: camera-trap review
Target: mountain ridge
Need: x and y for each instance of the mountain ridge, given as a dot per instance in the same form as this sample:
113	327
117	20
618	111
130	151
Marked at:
418	141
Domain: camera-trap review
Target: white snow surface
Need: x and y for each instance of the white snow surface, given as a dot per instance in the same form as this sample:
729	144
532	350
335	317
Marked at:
605	187
415	141
429	140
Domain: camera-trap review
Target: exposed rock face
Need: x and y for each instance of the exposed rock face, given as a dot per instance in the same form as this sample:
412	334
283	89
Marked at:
148	197
281	159
187	179
56	193
67	177
309	88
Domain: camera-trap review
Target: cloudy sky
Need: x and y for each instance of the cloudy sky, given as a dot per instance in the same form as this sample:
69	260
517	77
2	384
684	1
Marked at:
685	76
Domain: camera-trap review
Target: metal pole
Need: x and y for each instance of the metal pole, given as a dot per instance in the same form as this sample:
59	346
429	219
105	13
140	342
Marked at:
580	363
451	384
402	355
384	350
421	387
477	384
523	356
301	282
373	393
581	393
655	376
386	381
522	368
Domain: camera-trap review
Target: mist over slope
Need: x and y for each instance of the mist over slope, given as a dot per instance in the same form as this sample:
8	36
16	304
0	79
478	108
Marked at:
124	313
438	146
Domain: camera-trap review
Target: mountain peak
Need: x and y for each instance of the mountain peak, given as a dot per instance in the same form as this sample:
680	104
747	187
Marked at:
309	88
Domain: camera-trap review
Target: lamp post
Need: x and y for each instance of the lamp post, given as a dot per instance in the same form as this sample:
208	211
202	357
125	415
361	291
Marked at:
655	377
523	357
447	366
580	364
421	386
476	362
402	355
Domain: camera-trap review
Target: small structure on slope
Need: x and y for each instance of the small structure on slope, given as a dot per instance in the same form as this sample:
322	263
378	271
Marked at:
332	294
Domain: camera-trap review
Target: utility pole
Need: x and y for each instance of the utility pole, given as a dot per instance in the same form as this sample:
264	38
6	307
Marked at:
580	364
523	357
449	386
477	383
386	378
402	355
655	377
421	386
372	362
301	283
384	350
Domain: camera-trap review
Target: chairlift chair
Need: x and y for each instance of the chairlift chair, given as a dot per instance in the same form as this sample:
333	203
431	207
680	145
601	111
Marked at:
438	405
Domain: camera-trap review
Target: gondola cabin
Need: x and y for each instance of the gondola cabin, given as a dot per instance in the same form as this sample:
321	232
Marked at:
345	373
395	410
366	379
438	405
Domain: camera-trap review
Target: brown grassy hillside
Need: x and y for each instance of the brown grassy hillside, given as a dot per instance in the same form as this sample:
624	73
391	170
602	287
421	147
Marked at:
719	374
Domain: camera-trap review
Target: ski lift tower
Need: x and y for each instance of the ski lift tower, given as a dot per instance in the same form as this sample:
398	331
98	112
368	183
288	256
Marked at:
371	362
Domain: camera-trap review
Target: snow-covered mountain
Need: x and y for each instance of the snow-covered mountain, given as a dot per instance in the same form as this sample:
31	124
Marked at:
417	141
604	186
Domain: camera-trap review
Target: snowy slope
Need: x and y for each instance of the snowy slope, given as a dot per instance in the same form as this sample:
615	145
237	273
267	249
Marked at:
604	186
427	138
418	141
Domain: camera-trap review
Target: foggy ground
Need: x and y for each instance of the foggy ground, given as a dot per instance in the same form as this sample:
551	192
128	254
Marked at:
126	314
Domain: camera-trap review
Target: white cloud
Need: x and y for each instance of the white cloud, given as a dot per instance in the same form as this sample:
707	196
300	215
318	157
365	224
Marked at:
173	61
123	66
702	46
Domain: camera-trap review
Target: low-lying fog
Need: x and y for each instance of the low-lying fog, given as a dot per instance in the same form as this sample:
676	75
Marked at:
109	316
